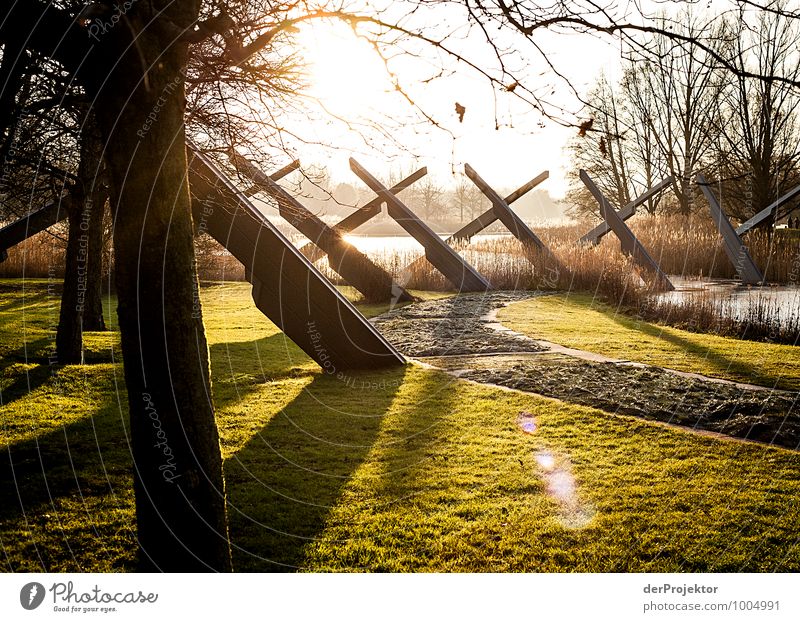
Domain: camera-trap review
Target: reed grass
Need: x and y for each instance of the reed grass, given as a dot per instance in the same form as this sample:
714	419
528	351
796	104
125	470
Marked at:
762	318
686	246
40	256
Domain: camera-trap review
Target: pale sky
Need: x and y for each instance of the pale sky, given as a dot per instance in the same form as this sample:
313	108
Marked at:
349	79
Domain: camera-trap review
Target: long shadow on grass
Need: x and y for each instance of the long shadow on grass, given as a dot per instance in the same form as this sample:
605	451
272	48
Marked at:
65	496
416	442
722	363
283	483
28	380
31	298
239	368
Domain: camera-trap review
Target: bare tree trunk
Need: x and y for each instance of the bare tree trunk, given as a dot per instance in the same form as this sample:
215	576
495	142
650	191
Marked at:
69	338
81	299
93	300
178	482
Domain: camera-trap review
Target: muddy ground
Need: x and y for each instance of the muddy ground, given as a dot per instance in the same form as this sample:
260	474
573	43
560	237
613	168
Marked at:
450	333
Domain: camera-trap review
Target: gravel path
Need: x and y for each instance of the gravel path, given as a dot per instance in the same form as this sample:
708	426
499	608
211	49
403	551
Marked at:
461	335
456	325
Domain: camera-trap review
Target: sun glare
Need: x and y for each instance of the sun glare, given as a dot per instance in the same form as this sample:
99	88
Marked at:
345	73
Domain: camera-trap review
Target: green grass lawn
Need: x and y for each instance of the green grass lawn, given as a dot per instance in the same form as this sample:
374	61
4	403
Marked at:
578	321
400	470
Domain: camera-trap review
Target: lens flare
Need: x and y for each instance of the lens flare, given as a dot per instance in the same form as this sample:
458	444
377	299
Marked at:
527	422
562	487
545	460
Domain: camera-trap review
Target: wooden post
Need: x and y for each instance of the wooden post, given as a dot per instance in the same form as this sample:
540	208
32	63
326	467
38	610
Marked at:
363	214
489	216
734	247
767	211
462	275
255	189
513	223
596	234
279	174
628	242
351	264
286	286
478	224
31	224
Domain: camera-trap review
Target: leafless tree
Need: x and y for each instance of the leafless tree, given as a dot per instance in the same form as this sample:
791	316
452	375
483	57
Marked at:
685	89
605	152
647	161
758	119
426	198
467	200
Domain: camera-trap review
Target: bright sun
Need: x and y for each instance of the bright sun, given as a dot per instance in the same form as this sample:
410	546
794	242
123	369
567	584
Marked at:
345	73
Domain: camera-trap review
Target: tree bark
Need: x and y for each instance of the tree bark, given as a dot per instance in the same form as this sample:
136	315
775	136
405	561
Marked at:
93	318
81	298
69	339
178	482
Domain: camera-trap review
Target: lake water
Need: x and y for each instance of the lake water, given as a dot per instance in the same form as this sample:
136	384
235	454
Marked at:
736	300
372	245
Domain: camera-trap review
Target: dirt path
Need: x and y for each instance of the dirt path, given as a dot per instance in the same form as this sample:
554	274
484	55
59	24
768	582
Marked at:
462	336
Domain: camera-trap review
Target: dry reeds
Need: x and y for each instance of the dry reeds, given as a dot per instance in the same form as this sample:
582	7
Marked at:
759	315
689	247
40	256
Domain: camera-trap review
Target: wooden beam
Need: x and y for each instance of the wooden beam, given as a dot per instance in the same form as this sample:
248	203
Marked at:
596	234
31	224
363	214
277	175
462	275
351	264
735	249
629	243
56	211
767	212
488	217
286	286
505	214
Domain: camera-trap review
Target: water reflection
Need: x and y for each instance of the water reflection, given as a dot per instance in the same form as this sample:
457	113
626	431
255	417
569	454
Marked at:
735	301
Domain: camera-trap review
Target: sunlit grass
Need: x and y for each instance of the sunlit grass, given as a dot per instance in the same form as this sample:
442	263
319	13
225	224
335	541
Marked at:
404	470
579	321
